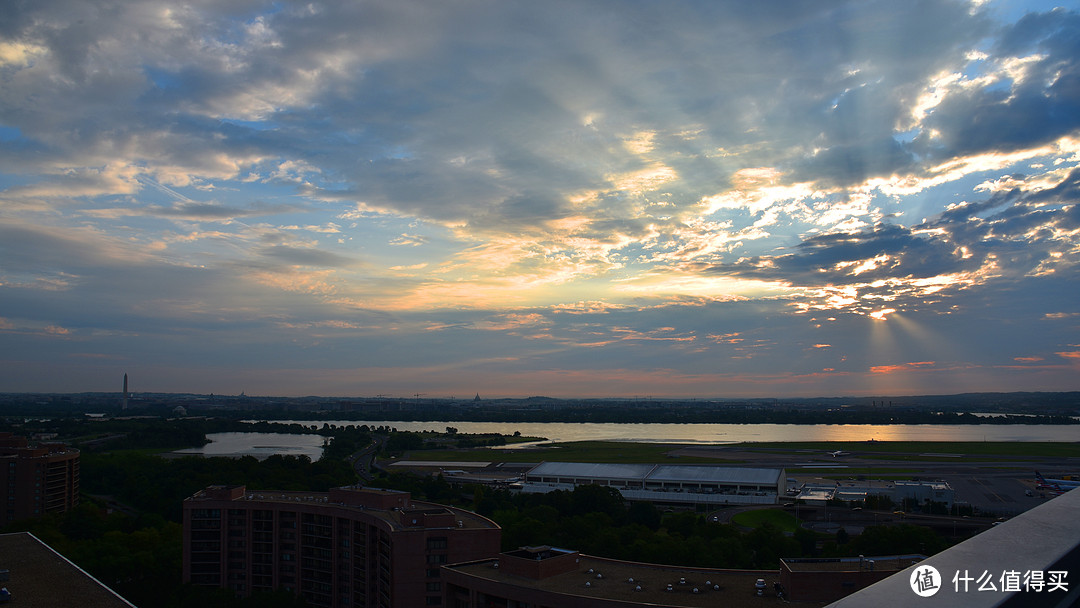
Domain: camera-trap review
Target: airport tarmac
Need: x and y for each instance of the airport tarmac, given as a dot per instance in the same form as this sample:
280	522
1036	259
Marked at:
989	483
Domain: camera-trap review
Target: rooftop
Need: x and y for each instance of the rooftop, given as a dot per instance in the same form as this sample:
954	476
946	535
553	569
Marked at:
893	563
1044	539
610	579
590	469
42	578
709	473
468	519
663	472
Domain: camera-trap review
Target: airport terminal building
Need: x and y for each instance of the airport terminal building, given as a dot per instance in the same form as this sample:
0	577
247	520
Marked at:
657	483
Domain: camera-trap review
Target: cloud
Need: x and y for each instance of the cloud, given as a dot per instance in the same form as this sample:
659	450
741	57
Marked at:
411	240
1062	315
904	367
554	184
308	257
196	211
1027	99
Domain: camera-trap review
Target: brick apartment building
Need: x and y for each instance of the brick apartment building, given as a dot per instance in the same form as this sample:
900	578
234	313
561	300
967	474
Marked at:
349	547
37	479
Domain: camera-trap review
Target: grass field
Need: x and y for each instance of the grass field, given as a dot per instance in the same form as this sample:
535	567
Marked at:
575	451
779	519
624	451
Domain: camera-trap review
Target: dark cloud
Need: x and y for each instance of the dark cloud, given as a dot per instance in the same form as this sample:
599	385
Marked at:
214	211
837	259
33	249
1038	109
1011	230
308	257
854	163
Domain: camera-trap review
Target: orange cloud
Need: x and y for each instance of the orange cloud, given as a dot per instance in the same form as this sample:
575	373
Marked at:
1069	355
889	369
732	338
1028	359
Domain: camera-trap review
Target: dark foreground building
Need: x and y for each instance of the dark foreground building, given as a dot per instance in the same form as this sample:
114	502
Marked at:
349	547
361	548
37	479
548	577
36	576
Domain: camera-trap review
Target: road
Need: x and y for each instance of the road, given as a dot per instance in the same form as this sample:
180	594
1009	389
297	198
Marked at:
364	460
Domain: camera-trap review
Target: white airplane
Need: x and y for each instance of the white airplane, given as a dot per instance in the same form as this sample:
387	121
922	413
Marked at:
1060	485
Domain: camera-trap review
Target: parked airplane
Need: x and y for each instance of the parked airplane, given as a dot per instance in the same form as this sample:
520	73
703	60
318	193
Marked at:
839	453
1060	485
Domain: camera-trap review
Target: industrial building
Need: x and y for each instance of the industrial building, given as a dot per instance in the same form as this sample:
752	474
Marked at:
37	478
351	546
817	492
682	484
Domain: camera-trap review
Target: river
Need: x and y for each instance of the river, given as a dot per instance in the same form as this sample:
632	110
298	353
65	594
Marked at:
259	445
735	433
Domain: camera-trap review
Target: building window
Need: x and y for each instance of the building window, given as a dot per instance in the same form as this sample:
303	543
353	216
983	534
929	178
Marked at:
436	559
433	587
436	544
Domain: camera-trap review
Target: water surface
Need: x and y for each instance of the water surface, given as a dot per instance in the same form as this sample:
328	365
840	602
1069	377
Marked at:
259	445
735	433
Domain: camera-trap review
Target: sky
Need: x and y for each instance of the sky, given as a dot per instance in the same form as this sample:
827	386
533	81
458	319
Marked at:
571	199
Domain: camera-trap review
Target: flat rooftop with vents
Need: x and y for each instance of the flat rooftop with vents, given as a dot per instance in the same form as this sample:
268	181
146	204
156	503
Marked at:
39	577
692	484
549	576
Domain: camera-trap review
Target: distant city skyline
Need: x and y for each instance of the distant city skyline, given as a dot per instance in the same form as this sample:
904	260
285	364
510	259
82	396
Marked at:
678	199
